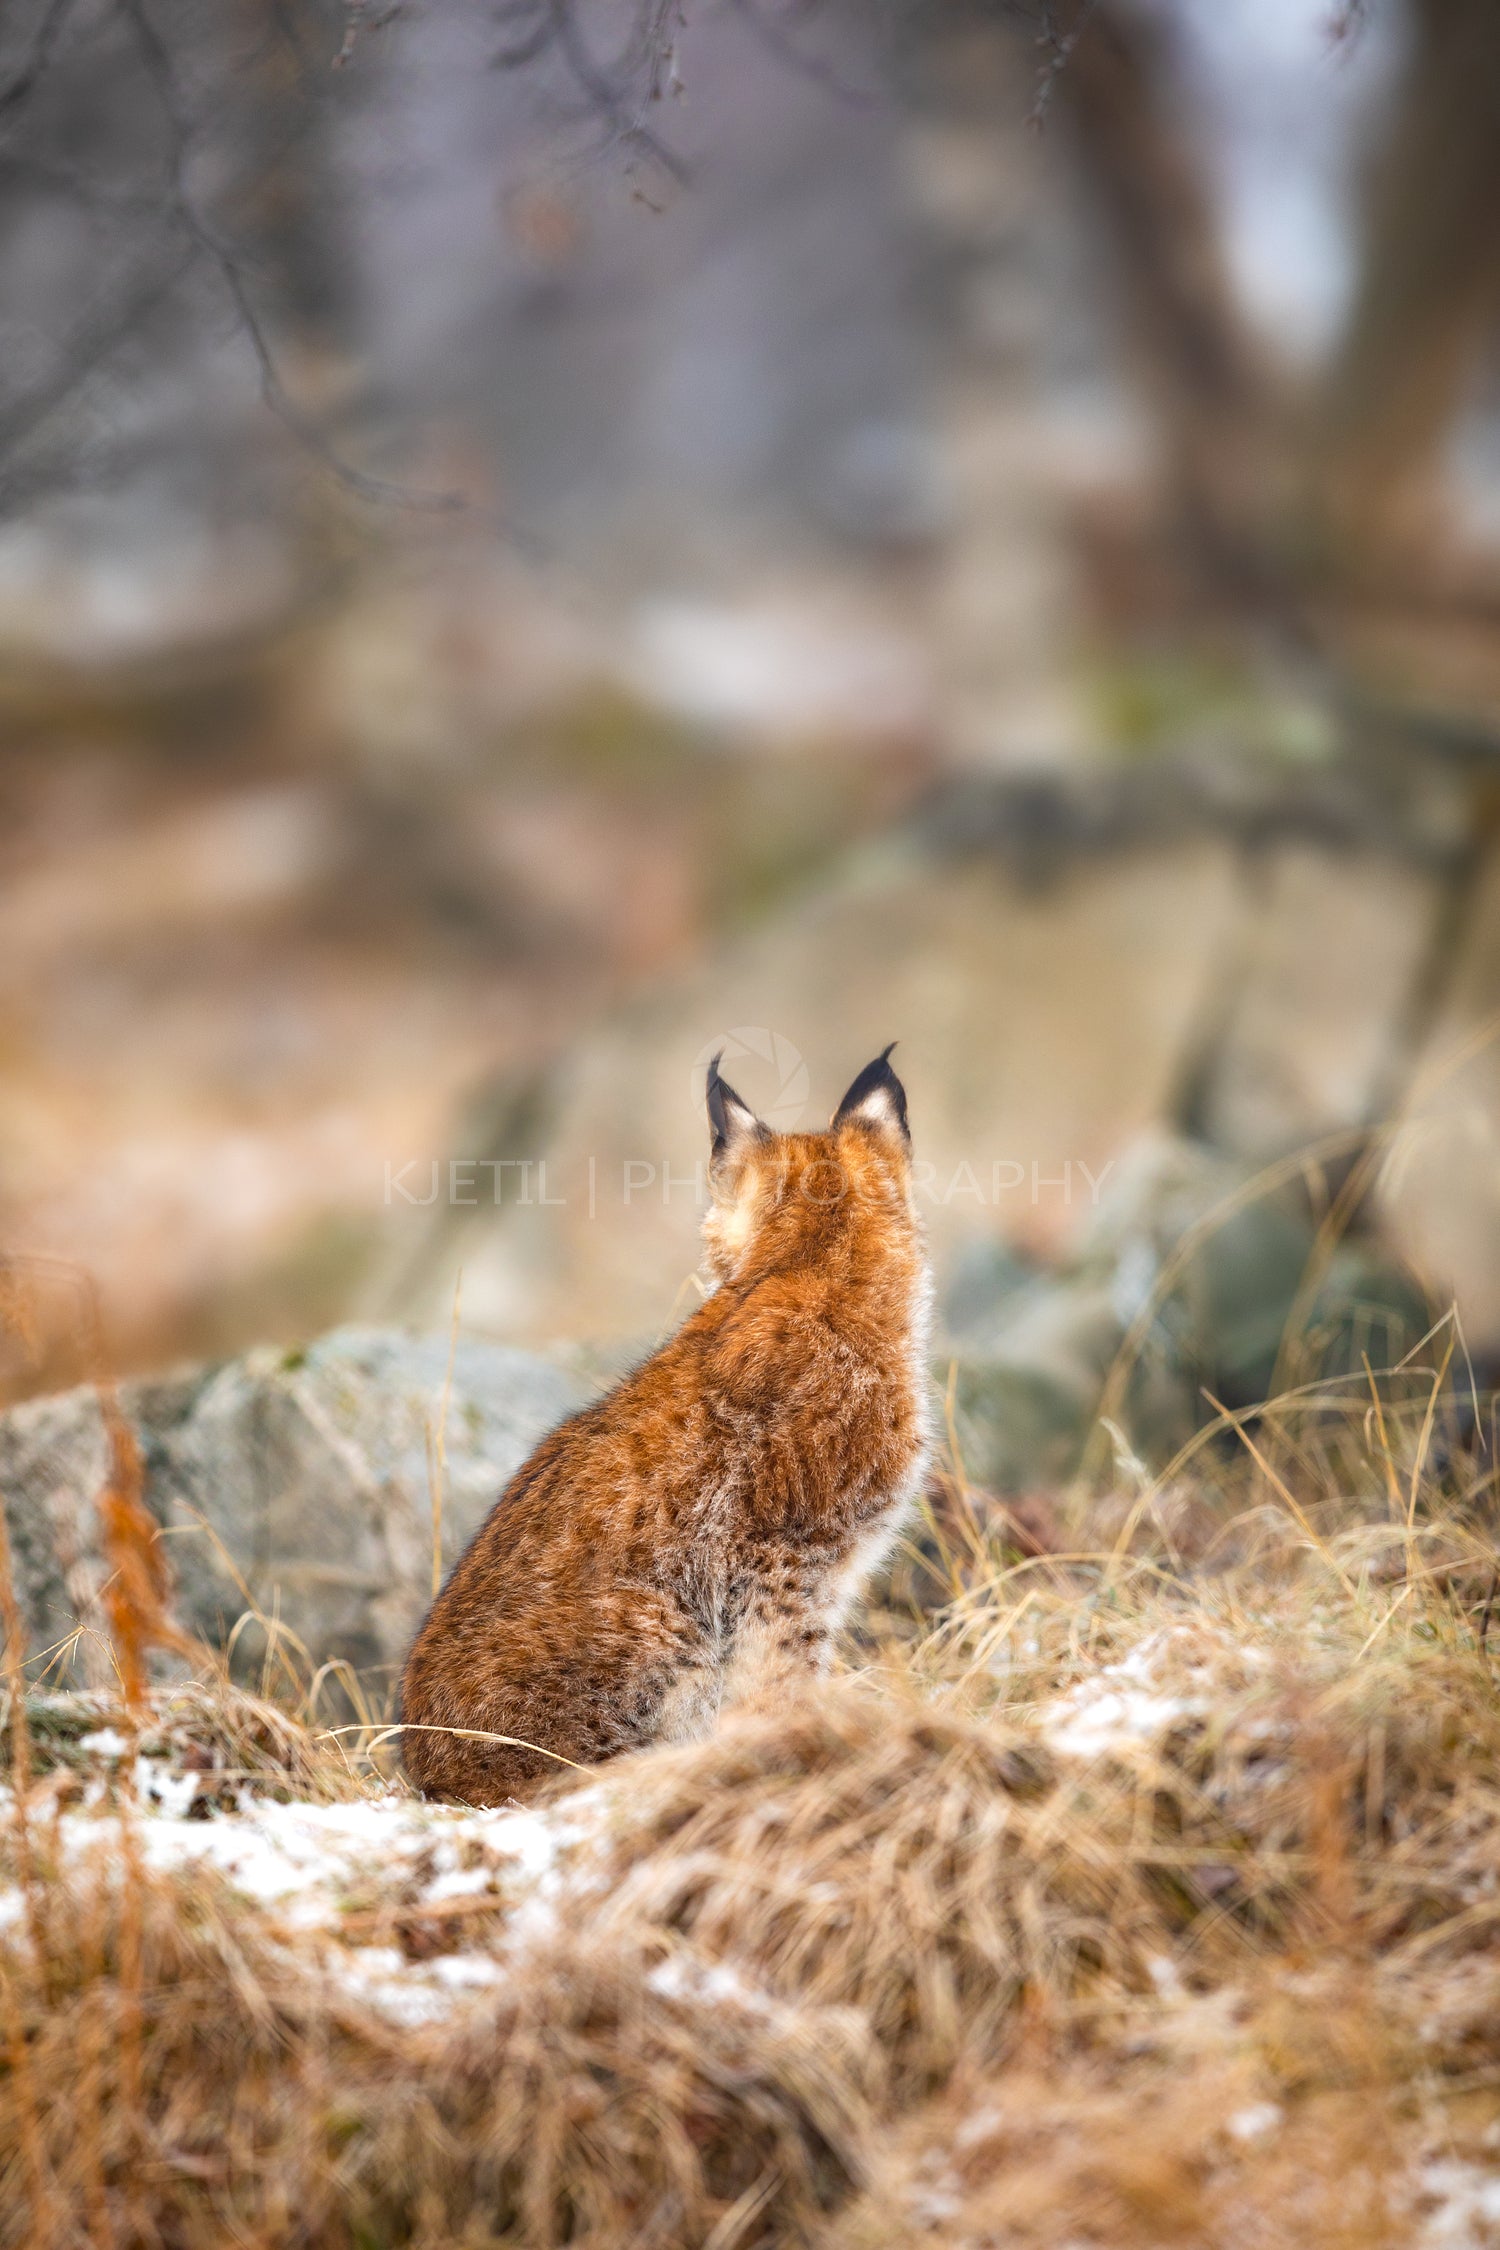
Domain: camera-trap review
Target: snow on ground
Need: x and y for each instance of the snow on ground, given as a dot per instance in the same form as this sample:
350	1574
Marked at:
331	1875
1461	2206
1177	1674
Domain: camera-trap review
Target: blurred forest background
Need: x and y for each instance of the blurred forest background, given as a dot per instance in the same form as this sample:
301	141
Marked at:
539	537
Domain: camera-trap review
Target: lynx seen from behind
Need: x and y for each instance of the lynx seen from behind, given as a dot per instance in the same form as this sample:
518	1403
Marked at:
696	1536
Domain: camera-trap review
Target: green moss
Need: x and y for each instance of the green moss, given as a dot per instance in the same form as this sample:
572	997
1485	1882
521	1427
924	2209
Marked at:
1156	700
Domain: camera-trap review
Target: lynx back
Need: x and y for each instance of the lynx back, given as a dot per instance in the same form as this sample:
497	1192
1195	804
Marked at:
697	1535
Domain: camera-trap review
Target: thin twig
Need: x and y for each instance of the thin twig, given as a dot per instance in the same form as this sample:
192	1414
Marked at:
815	68
43	48
1060	46
92	344
274	394
608	98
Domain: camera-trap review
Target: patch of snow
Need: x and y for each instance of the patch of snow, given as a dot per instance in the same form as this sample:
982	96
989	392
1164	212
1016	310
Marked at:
977	2127
465	1969
682	1977
1088	1726
416	1992
305	1866
161	1785
935	2206
1164	1974
1464	2211
461	1882
1129	1704
274	1851
780	668
104	1742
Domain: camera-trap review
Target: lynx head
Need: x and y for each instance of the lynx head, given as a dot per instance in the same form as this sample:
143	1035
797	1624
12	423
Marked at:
778	1197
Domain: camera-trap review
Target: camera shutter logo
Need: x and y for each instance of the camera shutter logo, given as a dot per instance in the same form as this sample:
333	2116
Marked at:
784	1110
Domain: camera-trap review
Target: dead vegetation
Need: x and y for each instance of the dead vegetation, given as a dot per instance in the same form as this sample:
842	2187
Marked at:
1131	1902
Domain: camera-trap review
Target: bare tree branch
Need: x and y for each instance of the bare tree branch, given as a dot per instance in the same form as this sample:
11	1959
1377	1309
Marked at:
540	34
359	19
789	51
1347	21
619	96
227	264
627	125
96	337
43	47
1057	46
66	179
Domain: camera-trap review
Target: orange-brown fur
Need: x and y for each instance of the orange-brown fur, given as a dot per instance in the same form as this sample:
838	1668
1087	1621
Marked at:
696	1536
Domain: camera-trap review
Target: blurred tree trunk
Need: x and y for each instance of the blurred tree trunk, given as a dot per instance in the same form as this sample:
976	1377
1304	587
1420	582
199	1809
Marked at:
1204	377
1295	500
1265	481
1429	283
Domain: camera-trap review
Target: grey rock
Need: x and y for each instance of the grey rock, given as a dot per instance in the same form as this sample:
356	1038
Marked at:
1207	1277
296	1487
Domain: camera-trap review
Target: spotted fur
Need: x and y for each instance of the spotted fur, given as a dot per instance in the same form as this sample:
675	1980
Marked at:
696	1536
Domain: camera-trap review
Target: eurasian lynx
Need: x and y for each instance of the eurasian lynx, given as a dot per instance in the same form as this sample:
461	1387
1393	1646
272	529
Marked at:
697	1535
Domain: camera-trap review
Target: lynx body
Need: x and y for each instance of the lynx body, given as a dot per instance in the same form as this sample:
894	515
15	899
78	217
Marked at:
697	1535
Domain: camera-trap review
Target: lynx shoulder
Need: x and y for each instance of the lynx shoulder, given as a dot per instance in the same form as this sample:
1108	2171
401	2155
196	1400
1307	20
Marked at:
697	1535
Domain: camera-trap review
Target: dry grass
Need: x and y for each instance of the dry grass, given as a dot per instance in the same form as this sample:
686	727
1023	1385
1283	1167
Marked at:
1152	1894
585	2104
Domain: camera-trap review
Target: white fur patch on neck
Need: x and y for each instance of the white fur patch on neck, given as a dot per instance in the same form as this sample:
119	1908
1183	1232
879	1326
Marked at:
737	1226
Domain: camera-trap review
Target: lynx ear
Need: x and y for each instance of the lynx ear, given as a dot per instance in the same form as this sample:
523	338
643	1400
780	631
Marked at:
876	1098
731	1121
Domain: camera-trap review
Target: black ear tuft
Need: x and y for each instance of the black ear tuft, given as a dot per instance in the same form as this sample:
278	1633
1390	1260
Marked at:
730	1119
877	1098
